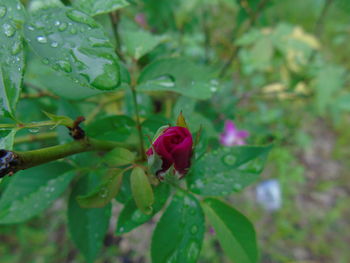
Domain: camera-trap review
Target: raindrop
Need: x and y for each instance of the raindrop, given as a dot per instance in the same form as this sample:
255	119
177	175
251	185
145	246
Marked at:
121	229
18	6
33	130
3	11
41	39
237	187
103	192
62	27
16	48
46	61
54	44
9	30
194	229
213	89
64	65
57	23
73	31
193	251
31	28
230	159
81	17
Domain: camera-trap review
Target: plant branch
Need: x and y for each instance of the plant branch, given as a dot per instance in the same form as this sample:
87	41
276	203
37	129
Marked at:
319	25
138	123
114	16
36	137
27	125
28	159
253	16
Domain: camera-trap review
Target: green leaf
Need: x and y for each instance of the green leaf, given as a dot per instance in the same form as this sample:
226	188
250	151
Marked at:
231	169
35	5
118	157
45	78
11	55
105	192
87	226
179	234
114	128
31	191
73	43
60	120
178	75
328	80
235	232
7	138
141	190
132	217
97	7
136	48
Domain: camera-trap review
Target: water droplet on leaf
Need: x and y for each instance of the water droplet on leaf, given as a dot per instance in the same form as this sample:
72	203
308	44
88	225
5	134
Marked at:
9	30
81	17
41	39
62	27
64	65
54	44
230	159
3	11
194	229
103	192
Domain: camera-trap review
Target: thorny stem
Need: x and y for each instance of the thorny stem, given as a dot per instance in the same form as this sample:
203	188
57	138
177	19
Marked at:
33	158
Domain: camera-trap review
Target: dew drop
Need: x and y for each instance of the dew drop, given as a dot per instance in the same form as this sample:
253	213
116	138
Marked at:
237	187
121	230
16	48
54	44
33	130
81	17
193	252
3	11
30	28
57	23
194	229
73	31
62	27
46	61
41	39
64	65
230	159
103	192
9	30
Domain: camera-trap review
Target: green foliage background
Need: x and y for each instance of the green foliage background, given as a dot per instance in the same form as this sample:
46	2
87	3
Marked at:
277	68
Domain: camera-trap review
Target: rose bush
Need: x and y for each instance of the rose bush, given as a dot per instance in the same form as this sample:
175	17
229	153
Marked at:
174	146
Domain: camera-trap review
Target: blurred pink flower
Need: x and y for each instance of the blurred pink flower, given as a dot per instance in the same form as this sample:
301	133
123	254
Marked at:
232	136
141	20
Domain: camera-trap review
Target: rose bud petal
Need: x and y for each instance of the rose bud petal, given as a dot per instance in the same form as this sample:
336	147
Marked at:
174	147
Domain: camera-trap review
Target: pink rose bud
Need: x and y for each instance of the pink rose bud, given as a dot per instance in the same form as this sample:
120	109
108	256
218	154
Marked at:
174	147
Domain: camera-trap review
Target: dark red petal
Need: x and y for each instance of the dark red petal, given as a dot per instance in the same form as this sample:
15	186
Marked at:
182	155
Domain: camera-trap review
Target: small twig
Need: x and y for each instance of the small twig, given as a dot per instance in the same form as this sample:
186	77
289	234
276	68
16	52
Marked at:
138	124
319	25
253	16
115	17
36	137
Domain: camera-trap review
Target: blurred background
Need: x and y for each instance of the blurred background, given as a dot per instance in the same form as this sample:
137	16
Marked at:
282	70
